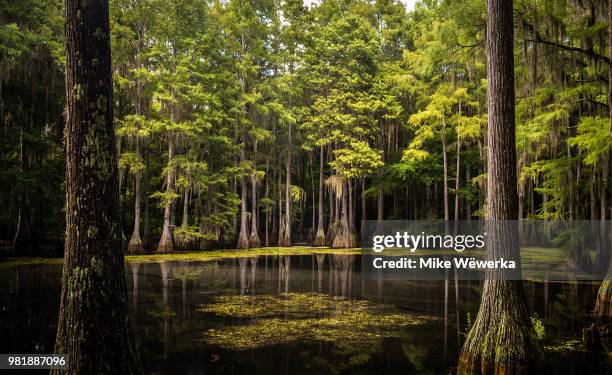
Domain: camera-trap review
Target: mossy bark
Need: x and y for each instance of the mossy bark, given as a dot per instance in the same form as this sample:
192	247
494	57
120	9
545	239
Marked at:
94	326
502	340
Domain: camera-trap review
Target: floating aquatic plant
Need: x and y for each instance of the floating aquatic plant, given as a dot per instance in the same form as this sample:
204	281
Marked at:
311	317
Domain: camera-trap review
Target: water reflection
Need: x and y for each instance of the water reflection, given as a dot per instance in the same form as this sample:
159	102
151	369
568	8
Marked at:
165	297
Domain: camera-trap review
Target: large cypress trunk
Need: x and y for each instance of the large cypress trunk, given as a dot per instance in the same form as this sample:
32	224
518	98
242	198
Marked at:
94	327
344	237
502	340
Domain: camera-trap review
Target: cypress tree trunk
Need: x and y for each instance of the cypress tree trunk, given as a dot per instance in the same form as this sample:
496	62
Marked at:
502	340
457	180
320	237
603	306
267	224
94	327
445	182
345	237
286	239
243	237
166	243
254	240
135	244
254	237
311	231
146	233
363	204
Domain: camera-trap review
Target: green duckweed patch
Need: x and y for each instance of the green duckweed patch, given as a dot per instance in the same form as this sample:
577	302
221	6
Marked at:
201	256
211	255
271	320
12	262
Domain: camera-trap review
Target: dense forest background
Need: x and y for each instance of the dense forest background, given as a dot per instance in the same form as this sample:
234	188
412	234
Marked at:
259	123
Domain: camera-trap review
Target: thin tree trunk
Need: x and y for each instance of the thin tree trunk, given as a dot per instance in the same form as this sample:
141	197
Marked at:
166	243
445	182
243	236
254	237
457	179
351	211
286	241
94	327
146	235
363	204
468	205
267	239
135	244
502	340
311	231
20	240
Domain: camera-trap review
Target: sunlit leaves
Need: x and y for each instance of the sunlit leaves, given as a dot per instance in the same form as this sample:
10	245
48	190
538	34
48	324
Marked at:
593	137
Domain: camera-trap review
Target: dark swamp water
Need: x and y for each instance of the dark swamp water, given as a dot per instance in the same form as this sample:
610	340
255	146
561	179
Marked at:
312	314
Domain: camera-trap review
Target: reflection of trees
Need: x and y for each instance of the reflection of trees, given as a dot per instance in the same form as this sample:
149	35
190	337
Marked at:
341	271
135	276
166	269
445	313
185	272
284	268
247	279
320	262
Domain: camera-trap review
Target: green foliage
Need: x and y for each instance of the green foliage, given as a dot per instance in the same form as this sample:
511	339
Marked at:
538	326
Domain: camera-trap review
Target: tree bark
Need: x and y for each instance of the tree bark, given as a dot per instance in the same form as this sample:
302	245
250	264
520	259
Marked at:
502	340
286	240
364	215
457	179
345	237
94	326
320	237
135	245
445	182
254	240
268	209
166	243
603	305
243	236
